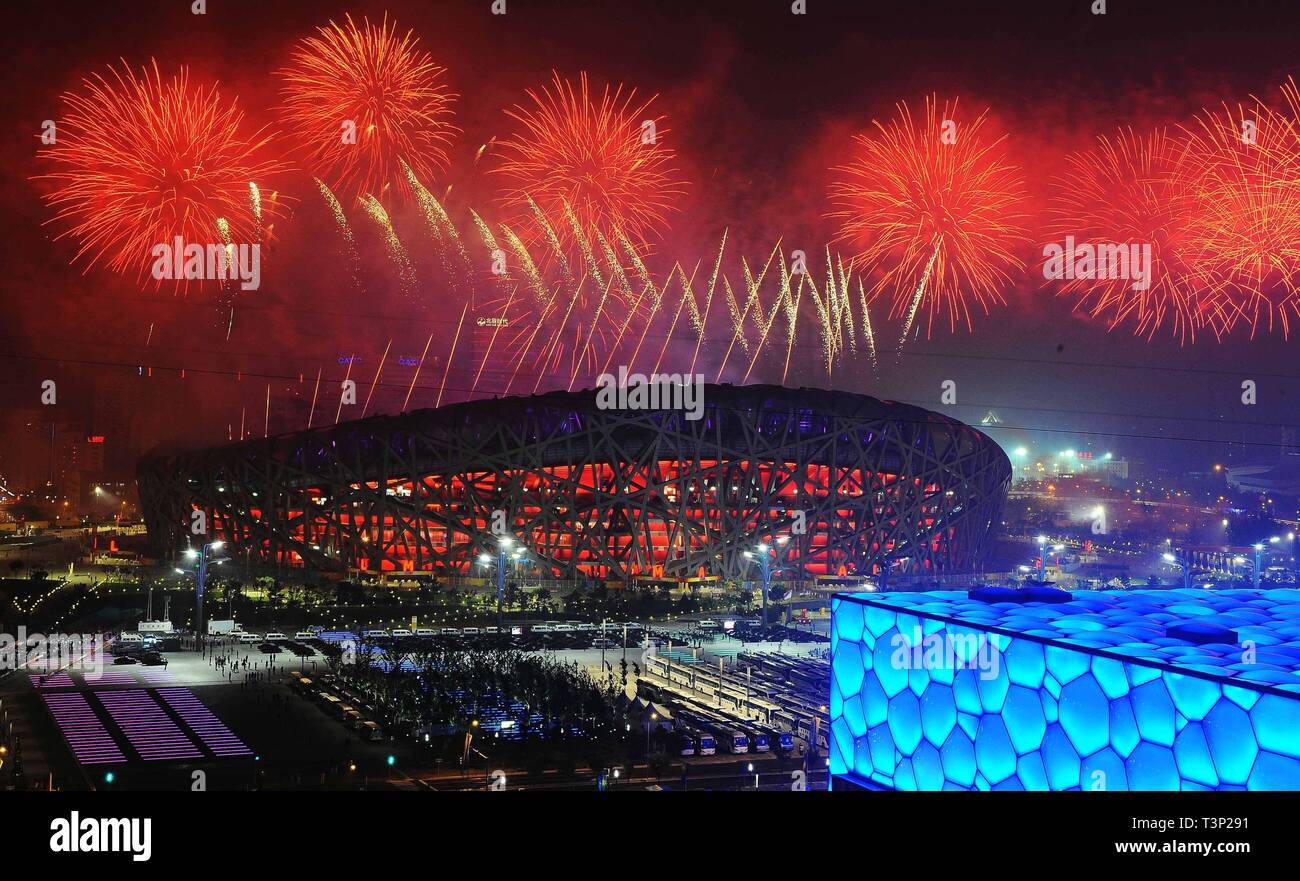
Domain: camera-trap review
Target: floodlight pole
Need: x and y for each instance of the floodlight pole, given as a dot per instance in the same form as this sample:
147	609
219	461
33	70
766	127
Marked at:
501	583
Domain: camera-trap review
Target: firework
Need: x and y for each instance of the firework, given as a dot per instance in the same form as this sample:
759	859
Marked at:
341	221
600	158
1242	165
396	250
140	160
451	355
1130	192
933	211
360	101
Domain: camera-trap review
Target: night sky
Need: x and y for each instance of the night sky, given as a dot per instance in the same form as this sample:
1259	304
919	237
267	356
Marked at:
760	105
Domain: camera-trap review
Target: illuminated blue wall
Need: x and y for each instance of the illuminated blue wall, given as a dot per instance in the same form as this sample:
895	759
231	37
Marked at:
1089	694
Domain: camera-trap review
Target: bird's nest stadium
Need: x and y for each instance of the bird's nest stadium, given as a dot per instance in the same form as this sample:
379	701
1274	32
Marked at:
837	483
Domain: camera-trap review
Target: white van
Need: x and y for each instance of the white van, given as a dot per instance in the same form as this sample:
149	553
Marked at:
542	628
248	637
450	631
371	731
401	632
131	637
305	634
425	631
275	634
563	628
377	634
470	631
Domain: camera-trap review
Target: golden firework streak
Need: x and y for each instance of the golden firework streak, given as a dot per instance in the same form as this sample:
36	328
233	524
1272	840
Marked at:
378	370
311	413
920	293
446	370
418	368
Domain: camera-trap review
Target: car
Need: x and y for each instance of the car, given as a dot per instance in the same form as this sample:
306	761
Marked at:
606	644
370	730
152	659
275	634
123	659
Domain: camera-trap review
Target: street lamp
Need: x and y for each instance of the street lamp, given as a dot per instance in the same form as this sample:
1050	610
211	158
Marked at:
504	543
764	554
202	559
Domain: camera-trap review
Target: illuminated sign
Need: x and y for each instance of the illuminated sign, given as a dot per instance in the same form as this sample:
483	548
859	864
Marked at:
94	438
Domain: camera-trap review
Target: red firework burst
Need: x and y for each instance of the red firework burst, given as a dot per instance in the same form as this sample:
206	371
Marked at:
1130	191
603	159
933	211
361	100
1242	166
141	160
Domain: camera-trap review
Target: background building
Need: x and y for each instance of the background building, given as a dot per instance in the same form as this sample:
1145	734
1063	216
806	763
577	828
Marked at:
837	483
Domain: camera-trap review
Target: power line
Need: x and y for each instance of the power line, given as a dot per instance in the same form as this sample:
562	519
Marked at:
926	404
798	346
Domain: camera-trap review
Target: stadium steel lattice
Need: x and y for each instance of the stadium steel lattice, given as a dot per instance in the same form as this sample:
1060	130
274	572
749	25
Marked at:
852	481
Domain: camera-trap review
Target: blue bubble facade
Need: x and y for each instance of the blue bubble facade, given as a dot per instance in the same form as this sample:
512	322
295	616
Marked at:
941	691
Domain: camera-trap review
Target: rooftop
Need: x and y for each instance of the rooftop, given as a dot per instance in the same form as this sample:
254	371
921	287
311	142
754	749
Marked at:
1132	626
